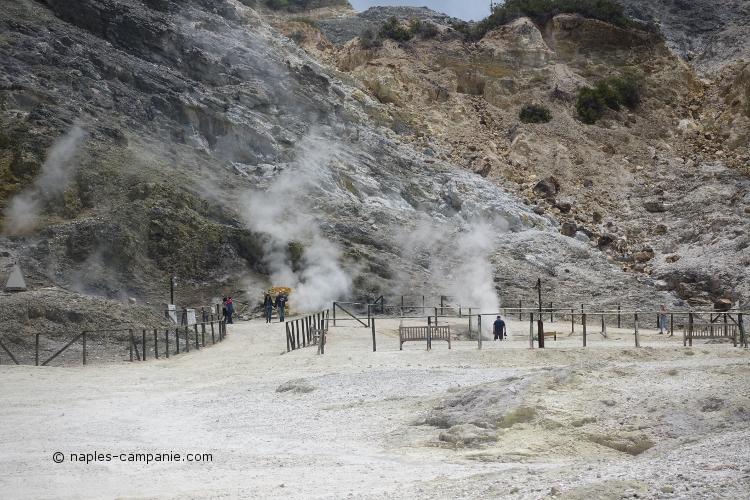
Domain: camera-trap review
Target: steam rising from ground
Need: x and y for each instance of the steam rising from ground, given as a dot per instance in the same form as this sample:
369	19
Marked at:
52	181
280	213
458	258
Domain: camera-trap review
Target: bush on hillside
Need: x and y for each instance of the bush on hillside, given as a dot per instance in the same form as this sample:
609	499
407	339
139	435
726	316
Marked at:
610	93
535	113
541	11
368	39
425	29
395	31
307	21
290	5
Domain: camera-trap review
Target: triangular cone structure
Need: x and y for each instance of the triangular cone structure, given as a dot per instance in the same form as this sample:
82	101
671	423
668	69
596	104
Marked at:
16	283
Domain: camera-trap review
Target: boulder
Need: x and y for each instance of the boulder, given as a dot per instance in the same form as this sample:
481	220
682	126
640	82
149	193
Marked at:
722	305
698	302
673	258
547	187
654	207
563	206
644	255
568	229
660	229
606	240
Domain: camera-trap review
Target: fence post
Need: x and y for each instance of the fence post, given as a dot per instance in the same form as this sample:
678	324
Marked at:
177	339
743	338
637	336
296	330
520	313
187	340
37	351
288	346
540	331
531	330
479	331
604	326
402	307
156	343
470	322
373	336
197	344
618	315
203	334
441	306
690	329
166	341
132	343
572	321
671	324
429	330
144	345
368	314
84	348
334	314
551	313
583	326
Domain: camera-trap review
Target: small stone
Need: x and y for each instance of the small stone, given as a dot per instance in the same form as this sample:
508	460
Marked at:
673	258
609	402
645	255
667	489
568	229
654	206
554	491
660	229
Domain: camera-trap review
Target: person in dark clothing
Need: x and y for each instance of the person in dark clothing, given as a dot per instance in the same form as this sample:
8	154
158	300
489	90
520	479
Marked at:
281	306
498	328
224	307
268	305
230	310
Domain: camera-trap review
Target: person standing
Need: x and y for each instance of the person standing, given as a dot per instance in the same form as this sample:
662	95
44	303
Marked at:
498	328
230	310
281	306
268	305
662	319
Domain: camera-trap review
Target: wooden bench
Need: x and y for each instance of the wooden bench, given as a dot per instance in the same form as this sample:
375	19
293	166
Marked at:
710	331
407	333
550	334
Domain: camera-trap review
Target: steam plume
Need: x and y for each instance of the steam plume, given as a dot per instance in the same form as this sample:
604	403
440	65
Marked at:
52	181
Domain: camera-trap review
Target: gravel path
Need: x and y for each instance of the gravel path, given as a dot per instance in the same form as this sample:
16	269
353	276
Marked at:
344	424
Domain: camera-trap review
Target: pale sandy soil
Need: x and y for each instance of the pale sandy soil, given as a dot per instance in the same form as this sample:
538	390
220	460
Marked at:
354	435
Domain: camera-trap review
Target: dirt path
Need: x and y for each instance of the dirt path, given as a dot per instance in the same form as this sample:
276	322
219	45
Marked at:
346	430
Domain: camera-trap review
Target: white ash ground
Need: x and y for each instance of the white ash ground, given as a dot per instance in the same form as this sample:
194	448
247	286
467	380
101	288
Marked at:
356	434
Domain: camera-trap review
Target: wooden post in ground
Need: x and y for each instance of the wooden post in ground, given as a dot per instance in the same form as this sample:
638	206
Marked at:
84	348
368	315
637	336
551	313
288	345
470	322
540	331
583	327
177	339
604	326
334	312
156	343
572	321
132	344
37	351
743	337
402	309
618	315
479	331
144	345
166	342
671	324
531	330
429	331
197	344
520	312
690	329
187	340
374	347
203	334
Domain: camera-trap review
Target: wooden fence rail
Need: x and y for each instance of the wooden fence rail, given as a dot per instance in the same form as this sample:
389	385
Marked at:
134	341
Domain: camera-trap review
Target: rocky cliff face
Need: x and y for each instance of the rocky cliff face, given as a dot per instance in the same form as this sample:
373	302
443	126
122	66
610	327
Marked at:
191	138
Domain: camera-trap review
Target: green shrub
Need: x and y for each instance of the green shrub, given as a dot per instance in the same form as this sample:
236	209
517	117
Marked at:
307	21
425	29
589	105
610	93
395	31
541	11
535	113
368	40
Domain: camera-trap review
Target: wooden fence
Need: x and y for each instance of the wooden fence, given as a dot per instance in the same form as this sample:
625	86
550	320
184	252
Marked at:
135	339
307	331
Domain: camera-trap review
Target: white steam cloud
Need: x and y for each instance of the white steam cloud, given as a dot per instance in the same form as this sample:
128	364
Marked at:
459	261
316	278
52	181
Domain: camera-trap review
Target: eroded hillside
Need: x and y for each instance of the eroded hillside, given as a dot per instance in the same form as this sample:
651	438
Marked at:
147	139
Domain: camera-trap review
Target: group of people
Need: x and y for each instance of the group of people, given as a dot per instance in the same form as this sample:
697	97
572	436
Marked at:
227	308
279	304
